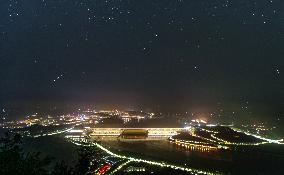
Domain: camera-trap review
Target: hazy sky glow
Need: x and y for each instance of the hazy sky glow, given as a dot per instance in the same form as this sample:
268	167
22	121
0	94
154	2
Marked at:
165	54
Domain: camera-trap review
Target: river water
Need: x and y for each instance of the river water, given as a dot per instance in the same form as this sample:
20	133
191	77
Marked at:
265	159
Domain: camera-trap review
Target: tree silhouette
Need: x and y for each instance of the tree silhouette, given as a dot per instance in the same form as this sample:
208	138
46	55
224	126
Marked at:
86	160
61	168
14	161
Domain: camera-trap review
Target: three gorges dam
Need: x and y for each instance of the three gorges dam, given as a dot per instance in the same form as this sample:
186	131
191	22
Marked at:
126	133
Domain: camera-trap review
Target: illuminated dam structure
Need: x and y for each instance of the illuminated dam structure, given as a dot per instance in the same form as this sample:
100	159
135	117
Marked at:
152	132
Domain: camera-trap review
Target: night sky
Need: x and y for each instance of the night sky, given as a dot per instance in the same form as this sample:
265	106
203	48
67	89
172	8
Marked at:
151	54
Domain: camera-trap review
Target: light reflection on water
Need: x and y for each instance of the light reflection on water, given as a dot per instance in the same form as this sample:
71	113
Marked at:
161	149
263	159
